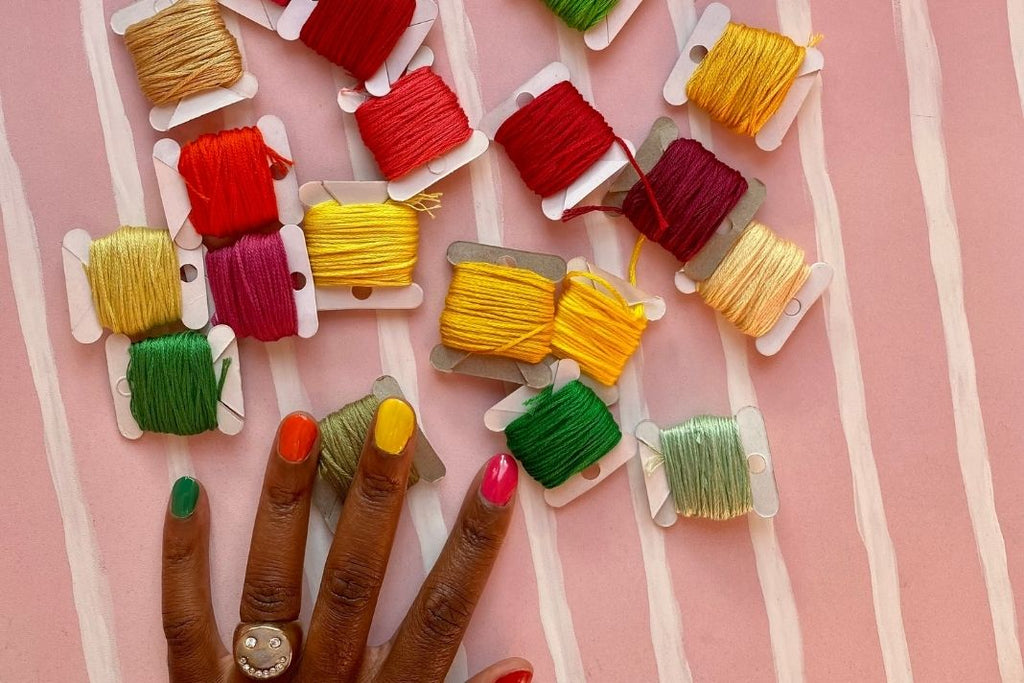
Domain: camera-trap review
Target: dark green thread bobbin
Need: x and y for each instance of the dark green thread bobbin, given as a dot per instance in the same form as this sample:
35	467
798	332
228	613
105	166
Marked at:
175	389
563	433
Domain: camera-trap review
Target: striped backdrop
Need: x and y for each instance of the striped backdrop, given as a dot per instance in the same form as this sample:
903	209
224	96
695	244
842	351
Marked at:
892	412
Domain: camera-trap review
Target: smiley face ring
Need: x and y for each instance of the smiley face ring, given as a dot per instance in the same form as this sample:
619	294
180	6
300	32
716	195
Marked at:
263	651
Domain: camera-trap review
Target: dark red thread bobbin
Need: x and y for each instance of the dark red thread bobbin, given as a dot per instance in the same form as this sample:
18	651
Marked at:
252	287
357	35
230	183
418	121
555	138
695	190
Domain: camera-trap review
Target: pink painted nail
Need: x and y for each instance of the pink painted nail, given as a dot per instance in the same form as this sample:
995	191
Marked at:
500	480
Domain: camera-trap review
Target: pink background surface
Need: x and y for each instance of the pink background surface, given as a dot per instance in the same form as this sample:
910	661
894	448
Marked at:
806	596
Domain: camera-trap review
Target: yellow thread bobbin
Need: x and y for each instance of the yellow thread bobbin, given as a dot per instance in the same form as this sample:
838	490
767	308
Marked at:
756	280
745	77
135	281
183	50
499	311
365	245
596	327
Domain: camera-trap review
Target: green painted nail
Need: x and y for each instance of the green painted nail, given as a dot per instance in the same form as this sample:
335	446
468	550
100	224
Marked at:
184	496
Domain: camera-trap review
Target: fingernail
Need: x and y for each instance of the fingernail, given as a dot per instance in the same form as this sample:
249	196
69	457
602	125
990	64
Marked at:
516	677
298	433
395	422
500	480
184	496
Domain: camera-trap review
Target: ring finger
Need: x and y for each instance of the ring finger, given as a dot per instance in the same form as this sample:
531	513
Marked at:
273	576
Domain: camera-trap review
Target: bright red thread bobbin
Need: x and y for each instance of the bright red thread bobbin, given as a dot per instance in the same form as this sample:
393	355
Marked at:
230	182
418	121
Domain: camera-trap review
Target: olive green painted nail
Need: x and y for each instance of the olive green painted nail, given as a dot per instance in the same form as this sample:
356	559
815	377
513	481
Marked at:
184	496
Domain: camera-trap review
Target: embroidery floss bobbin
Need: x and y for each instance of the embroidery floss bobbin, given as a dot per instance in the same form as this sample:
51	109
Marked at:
183	383
709	466
252	287
357	35
750	80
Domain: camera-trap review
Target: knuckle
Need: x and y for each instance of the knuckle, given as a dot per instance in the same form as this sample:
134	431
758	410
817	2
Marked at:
179	554
352	585
480	538
446	612
283	501
183	632
265	595
377	490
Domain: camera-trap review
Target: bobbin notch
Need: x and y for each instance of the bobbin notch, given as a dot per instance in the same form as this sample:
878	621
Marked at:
444	359
608	165
702	40
174	191
506	411
605	31
754	438
428	464
357	298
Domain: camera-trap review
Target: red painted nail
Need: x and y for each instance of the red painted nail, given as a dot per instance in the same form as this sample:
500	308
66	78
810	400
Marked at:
298	432
500	480
516	677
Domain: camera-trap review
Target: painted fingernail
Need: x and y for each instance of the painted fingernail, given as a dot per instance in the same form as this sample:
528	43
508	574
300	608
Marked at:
184	496
516	677
395	423
298	433
500	480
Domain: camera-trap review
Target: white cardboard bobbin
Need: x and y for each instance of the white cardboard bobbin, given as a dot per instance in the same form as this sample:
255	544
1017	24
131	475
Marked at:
605	167
444	359
708	31
601	35
358	298
428	464
699	268
772	341
263	12
174	193
419	179
297	12
165	117
85	323
764	491
230	406
298	264
505	412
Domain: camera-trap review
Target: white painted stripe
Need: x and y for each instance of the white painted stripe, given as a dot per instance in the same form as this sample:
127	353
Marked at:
665	618
89	586
117	132
460	44
795	20
924	78
541	526
1015	21
179	464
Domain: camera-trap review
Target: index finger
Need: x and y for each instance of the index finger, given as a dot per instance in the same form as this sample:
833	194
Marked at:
427	640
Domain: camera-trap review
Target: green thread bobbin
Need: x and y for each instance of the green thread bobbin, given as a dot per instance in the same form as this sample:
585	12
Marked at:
706	468
581	15
175	389
342	435
562	433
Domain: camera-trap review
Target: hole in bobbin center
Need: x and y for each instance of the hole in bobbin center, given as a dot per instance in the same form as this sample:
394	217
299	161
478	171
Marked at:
756	463
523	99
592	472
698	53
188	272
507	260
298	281
123	388
362	293
793	307
437	166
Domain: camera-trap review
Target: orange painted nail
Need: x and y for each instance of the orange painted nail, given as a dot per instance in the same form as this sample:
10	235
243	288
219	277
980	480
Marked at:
295	441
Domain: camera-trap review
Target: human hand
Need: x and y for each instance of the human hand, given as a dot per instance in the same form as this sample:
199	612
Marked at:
269	639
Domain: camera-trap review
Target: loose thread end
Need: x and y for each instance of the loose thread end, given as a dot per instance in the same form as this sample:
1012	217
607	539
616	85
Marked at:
576	212
652	464
425	202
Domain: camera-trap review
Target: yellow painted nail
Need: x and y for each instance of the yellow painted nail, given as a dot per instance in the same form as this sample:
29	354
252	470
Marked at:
395	422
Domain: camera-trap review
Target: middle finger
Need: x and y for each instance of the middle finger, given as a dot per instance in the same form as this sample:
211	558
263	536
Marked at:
362	546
